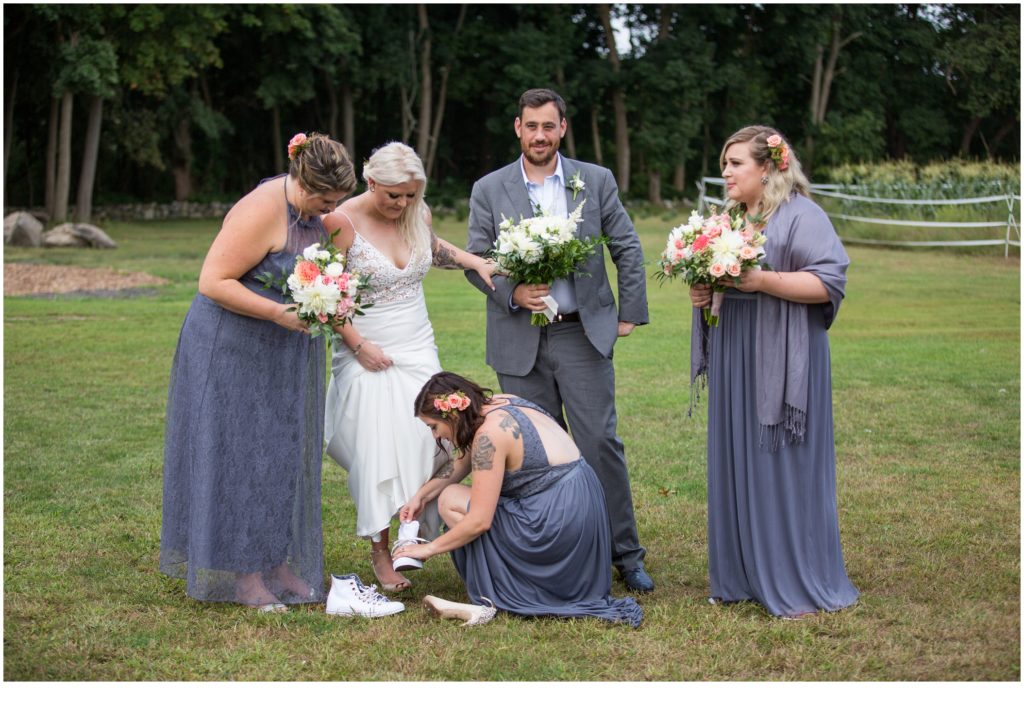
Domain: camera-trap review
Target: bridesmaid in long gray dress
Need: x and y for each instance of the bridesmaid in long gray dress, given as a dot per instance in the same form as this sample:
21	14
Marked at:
773	527
245	408
532	535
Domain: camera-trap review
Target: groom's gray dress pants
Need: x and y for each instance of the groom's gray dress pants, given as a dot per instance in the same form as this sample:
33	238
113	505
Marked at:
570	372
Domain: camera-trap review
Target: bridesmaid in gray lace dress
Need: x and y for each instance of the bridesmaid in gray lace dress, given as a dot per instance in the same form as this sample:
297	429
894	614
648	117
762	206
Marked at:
243	444
773	526
531	536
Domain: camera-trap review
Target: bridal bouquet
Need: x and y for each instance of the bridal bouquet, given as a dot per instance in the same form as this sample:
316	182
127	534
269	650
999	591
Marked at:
704	251
324	293
542	249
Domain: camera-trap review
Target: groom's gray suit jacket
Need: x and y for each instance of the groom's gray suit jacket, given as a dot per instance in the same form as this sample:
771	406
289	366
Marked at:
511	340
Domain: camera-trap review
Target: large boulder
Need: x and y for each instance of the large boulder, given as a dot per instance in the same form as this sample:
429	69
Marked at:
79	235
22	229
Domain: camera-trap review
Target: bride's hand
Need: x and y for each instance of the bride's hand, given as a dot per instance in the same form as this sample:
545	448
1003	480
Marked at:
411	510
372	358
485	269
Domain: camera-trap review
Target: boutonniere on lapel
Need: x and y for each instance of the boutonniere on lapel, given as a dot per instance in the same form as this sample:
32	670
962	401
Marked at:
577	185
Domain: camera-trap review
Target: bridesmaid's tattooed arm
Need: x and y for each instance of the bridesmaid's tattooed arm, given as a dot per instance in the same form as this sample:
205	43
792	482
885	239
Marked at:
483	453
444	257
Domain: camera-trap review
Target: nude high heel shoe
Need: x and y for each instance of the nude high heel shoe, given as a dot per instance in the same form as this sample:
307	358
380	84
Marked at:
472	614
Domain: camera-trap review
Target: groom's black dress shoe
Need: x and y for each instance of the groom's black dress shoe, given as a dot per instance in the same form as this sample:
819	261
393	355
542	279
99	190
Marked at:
637	580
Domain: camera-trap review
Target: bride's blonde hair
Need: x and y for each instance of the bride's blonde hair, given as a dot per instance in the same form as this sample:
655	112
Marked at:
782	183
396	164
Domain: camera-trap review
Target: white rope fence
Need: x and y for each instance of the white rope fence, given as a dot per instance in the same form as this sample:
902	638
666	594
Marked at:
1012	227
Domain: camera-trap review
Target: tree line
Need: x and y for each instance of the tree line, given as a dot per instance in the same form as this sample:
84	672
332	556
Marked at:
119	103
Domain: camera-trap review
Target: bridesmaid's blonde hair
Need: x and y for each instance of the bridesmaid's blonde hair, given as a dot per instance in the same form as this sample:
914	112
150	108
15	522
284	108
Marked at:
781	183
396	164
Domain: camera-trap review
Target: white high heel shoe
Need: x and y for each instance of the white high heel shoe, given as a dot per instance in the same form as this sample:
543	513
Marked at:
407	535
472	614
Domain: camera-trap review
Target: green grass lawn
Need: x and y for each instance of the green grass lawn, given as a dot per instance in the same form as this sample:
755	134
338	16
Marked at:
926	370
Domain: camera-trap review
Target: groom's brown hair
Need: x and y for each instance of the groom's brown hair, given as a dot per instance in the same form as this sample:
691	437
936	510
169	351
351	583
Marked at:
538	97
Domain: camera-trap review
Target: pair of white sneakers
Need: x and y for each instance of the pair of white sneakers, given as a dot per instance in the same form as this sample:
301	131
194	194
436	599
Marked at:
350	597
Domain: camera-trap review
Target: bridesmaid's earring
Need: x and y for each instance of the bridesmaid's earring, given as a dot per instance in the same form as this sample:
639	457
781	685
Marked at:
764	179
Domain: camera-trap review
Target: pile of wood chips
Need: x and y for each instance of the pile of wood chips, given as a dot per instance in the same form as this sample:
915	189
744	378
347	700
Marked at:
21	279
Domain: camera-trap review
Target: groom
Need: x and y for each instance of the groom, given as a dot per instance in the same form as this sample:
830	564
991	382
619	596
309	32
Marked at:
567	364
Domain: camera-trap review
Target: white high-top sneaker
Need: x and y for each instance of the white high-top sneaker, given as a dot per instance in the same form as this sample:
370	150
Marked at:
408	534
350	597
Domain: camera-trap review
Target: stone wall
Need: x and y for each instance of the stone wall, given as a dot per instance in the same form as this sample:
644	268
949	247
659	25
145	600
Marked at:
146	211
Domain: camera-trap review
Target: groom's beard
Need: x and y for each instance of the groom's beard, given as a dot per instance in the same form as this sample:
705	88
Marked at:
546	159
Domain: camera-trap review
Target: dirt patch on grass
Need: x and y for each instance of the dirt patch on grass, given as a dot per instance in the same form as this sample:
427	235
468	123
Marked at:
31	279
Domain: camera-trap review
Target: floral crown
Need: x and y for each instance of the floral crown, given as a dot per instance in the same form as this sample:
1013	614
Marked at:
448	404
298	144
779	151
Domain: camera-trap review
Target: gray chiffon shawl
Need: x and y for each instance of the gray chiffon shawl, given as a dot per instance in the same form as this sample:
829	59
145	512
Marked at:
800	239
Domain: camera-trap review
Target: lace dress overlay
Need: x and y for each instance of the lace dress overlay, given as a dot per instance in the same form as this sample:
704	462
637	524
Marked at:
243	444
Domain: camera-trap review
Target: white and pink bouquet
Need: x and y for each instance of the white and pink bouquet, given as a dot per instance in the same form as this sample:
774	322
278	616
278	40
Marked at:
707	250
542	249
325	294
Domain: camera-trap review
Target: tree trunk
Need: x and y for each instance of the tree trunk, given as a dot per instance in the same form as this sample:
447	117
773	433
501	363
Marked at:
679	177
182	168
442	101
570	138
279	147
654	187
51	159
408	96
595	133
969	131
622	156
332	105
426	86
821	84
63	187
9	122
705	155
90	156
348	122
997	140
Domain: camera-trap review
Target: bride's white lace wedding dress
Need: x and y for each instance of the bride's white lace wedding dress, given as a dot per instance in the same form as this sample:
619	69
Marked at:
370	428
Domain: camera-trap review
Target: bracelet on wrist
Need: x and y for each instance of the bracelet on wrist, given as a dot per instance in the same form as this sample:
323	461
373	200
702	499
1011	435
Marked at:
355	351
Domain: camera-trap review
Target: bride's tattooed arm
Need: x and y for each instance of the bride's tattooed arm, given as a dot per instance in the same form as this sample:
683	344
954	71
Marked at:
444	257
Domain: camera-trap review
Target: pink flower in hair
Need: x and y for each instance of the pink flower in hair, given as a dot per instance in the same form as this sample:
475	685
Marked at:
296	145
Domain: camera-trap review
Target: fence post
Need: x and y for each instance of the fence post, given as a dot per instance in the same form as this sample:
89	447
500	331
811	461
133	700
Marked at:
700	196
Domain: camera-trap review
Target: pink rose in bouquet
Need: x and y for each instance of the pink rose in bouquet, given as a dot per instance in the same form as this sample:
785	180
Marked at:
708	250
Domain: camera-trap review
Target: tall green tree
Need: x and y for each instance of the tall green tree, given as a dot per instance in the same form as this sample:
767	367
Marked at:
982	66
166	51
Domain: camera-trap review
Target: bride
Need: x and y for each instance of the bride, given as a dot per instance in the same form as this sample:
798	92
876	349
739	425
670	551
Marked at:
388	353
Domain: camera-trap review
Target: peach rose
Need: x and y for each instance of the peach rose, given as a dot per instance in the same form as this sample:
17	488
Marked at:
748	253
296	144
734	269
774	140
307	271
717	270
